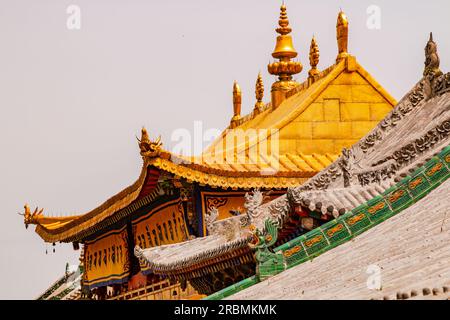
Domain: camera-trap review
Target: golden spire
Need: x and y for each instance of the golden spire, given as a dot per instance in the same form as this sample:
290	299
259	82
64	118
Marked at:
284	68
259	93
237	100
342	36
313	58
284	47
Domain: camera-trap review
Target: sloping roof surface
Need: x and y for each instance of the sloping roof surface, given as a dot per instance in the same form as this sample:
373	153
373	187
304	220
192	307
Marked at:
411	249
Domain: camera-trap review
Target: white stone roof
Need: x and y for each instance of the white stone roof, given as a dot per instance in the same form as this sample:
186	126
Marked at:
411	249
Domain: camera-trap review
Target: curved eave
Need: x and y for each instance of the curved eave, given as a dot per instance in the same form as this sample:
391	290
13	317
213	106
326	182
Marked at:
68	231
80	226
204	175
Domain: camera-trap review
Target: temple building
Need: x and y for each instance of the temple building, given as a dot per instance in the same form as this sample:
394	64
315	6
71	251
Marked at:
387	199
178	201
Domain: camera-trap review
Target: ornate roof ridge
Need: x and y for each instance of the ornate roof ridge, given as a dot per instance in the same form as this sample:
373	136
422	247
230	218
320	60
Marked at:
195	258
297	89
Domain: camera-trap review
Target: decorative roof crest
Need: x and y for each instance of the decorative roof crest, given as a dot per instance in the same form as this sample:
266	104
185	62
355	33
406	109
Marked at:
432	60
31	217
149	148
314	55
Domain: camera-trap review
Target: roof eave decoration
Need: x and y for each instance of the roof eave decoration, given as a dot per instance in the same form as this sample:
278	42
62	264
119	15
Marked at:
71	228
218	178
38	218
149	148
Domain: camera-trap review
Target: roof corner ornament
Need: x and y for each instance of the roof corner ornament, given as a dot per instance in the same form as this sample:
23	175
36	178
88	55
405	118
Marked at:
432	60
435	82
268	263
210	218
237	103
345	163
139	253
342	36
252	202
31	217
314	55
149	148
259	94
291	196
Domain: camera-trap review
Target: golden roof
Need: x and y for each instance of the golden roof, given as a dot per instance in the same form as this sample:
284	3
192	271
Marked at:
300	100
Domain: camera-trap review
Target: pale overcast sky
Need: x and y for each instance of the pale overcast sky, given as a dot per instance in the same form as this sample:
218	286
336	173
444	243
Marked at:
72	101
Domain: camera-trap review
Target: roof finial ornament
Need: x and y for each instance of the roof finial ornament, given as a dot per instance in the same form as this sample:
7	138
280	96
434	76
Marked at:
31	217
259	93
342	36
432	60
237	103
284	68
149	148
283	22
314	55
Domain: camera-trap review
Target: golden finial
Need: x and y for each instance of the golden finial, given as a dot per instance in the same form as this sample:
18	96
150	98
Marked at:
342	36
432	60
285	67
314	55
237	102
284	49
283	22
259	93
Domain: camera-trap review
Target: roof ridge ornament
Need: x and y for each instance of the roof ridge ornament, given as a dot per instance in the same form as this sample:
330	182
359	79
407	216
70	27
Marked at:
342	36
314	55
259	94
284	68
149	148
237	104
268	263
31	217
432	60
283	22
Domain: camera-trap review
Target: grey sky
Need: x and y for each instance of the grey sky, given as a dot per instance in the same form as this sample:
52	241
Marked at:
71	102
